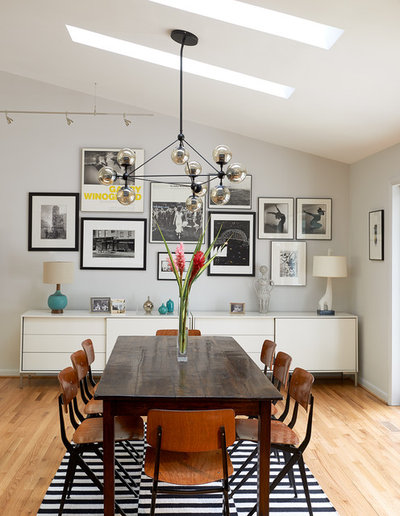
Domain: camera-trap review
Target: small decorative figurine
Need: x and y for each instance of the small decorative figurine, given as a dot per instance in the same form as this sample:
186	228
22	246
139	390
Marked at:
170	306
148	306
163	309
263	288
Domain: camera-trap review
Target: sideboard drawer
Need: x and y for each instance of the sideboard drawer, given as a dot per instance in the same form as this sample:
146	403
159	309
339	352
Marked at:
68	326
61	343
234	325
55	362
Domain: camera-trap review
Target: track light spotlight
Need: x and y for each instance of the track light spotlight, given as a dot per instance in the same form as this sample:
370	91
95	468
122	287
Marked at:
127	122
9	119
69	121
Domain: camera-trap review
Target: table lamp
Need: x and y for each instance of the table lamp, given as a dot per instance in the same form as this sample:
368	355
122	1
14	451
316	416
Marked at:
328	267
57	273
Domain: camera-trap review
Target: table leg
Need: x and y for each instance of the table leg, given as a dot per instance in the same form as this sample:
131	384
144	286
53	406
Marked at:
264	450
108	445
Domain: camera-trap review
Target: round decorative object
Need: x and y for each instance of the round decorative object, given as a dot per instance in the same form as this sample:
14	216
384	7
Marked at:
126	195
148	306
180	155
222	154
200	192
170	306
193	203
126	157
236	172
163	309
107	176
193	168
220	194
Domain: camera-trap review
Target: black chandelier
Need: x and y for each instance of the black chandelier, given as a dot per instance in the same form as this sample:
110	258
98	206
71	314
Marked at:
222	155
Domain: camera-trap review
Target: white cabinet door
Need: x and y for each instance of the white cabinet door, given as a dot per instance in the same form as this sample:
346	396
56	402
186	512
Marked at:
319	344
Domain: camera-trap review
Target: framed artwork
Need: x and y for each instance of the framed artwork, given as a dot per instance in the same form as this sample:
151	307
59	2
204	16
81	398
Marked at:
314	219
236	308
240	196
376	235
53	222
113	244
163	270
168	210
237	257
275	217
288	263
100	304
118	306
97	197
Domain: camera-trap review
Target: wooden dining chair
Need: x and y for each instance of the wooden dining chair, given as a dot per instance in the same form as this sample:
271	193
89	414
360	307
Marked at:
191	333
267	354
283	436
80	363
188	448
88	348
88	436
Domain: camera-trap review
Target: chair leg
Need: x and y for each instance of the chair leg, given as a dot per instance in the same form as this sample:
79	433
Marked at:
305	484
68	482
244	465
292	481
153	497
249	473
225	486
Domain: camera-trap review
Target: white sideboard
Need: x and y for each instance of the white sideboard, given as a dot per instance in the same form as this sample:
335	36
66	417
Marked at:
316	343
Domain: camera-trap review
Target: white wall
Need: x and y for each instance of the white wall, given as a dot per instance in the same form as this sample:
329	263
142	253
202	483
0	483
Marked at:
371	189
42	154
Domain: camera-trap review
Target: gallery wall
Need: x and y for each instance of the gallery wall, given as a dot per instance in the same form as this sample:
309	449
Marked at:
43	154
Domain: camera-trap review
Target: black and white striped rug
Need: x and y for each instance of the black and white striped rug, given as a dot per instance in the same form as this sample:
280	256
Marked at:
86	498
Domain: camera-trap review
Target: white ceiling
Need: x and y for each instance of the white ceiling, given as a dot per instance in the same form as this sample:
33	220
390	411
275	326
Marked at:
346	105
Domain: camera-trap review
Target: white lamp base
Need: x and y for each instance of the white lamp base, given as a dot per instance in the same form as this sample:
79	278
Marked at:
325	303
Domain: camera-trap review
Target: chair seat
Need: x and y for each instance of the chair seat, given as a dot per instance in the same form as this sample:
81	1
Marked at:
187	468
126	428
247	429
94	407
282	434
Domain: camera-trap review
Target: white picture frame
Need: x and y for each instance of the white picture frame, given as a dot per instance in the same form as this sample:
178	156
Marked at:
276	218
288	263
163	272
314	219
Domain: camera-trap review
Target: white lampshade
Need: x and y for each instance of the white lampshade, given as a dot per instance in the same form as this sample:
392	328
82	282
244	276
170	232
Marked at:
330	266
58	272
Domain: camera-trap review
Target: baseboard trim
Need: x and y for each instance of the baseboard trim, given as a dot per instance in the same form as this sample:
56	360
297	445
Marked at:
372	389
9	372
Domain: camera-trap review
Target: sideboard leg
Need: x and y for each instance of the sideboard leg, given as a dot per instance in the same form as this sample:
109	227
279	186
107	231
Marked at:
21	381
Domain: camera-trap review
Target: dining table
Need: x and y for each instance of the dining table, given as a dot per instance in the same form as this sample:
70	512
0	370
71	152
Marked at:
143	373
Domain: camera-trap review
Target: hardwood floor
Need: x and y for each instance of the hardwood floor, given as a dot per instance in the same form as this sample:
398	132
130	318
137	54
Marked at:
354	451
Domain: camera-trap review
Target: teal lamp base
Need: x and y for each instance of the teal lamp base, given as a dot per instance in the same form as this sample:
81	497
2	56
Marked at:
57	302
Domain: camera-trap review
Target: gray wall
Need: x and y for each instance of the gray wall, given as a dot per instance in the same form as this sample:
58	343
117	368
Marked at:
42	154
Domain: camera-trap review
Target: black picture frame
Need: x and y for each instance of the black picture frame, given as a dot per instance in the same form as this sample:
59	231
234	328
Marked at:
53	223
238	257
113	243
240	199
376	235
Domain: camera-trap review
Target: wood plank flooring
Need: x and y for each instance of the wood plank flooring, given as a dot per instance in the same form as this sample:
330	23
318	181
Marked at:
354	451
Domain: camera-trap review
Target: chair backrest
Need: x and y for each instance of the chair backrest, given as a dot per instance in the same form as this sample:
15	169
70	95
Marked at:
89	350
191	333
69	384
80	362
190	431
300	387
280	372
267	354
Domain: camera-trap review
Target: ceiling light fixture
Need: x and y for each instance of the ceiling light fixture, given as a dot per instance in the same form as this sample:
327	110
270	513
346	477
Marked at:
261	19
74	113
9	119
151	55
222	155
127	122
69	121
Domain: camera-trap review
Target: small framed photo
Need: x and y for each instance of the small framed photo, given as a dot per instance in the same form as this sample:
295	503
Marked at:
376	235
275	217
288	263
314	219
97	197
238	256
236	308
53	222
118	306
164	272
100	304
240	198
113	244
168	210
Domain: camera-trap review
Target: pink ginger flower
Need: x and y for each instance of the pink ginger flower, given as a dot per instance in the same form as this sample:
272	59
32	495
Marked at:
169	264
179	259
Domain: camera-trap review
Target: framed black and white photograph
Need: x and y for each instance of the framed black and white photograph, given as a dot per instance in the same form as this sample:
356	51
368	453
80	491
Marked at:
168	210
53	222
314	219
97	197
376	235
118	306
100	304
238	231
240	198
164	271
113	243
236	308
276	217
288	263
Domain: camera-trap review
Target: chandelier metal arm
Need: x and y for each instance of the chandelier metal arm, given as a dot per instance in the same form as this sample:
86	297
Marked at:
202	157
133	172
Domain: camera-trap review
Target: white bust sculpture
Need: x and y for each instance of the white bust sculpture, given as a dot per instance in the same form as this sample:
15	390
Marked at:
263	286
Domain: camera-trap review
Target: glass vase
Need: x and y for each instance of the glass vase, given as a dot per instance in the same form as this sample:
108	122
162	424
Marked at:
182	342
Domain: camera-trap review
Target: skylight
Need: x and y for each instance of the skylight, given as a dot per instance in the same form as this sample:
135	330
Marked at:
159	57
264	20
